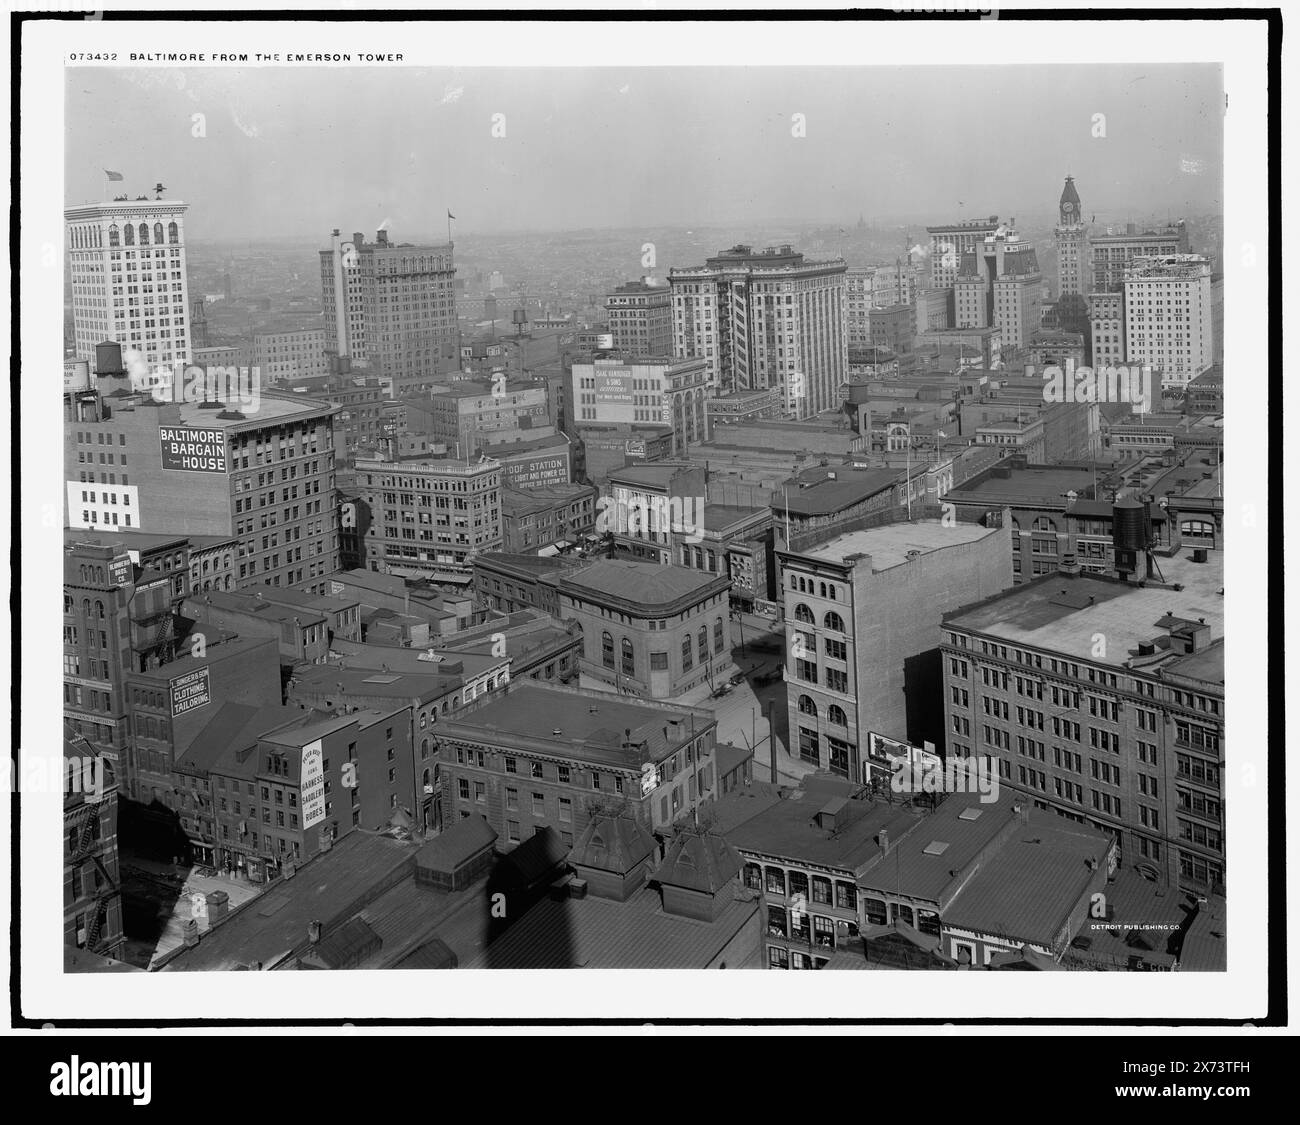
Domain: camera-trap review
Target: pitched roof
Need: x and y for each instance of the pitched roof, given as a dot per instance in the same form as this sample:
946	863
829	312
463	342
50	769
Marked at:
599	933
699	861
348	944
456	845
536	857
613	843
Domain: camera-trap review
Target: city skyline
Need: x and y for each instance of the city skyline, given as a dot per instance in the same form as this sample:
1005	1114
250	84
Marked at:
572	134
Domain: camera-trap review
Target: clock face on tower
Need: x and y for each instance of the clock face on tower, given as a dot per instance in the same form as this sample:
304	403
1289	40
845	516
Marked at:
1067	206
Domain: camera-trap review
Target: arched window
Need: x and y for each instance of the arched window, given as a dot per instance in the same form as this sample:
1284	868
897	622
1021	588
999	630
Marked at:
687	661
425	781
173	233
835	714
85	608
822	591
830	590
607	649
834	621
129	231
794	582
804	614
99	609
424	751
629	658
158	233
703	639
718	641
807	706
1042	523
144	234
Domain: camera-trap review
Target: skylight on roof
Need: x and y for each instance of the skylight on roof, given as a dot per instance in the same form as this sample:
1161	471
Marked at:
969	814
381	679
936	847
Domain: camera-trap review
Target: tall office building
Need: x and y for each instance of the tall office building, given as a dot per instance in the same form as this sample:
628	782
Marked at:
1072	265
949	241
767	318
611	390
999	285
127	262
1112	253
862	611
390	307
430	514
1106	325
859	300
1168	323
265	477
1126	736
640	319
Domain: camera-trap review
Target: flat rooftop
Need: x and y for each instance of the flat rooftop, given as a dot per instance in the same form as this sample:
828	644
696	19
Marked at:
889	544
1034	482
588	722
271	409
1062	612
832	488
647	583
788	830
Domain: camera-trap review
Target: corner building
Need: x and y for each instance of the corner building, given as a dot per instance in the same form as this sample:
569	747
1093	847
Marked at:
265	478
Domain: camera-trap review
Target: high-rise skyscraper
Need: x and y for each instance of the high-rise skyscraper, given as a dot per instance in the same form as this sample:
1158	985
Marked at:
1072	265
1168	323
999	285
1113	252
128	278
949	242
390	308
640	319
767	318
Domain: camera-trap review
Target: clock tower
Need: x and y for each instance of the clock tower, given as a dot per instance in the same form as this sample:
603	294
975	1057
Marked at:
1071	244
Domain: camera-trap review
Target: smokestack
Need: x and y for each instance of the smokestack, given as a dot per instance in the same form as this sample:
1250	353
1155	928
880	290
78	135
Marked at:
340	298
313	932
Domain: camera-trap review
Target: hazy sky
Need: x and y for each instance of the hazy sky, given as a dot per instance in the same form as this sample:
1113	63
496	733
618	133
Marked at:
299	151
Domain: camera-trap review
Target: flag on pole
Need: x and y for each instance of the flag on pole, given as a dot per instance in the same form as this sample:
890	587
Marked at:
112	175
450	215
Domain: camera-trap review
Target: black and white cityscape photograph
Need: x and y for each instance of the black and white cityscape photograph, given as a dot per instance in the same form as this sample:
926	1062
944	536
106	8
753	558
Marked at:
548	496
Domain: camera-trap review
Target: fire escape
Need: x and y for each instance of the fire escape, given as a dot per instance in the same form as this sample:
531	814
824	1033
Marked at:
153	636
